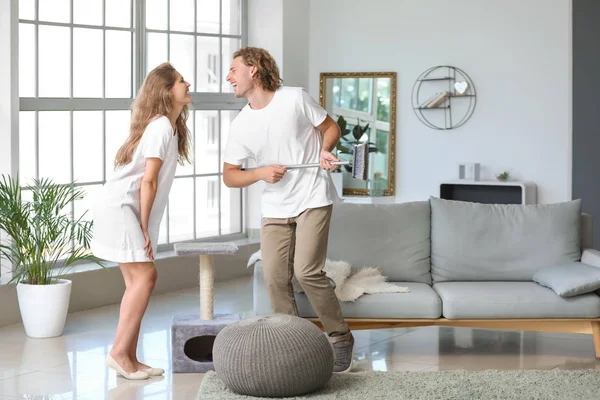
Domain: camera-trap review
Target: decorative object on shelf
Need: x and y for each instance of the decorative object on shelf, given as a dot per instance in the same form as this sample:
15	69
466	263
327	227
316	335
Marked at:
435	100
469	171
503	177
461	87
364	106
434	91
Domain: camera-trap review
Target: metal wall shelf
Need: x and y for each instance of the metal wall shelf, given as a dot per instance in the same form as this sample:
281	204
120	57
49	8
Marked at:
421	93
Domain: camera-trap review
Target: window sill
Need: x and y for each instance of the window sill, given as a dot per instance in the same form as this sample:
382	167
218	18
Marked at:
161	255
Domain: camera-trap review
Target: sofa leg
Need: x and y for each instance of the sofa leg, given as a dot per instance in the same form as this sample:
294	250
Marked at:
596	334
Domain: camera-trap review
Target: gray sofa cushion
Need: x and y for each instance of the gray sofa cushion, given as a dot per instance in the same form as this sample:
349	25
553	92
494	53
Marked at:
570	279
493	300
393	237
421	302
501	242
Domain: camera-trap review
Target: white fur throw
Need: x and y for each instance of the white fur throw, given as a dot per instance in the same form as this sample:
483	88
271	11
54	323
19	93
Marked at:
349	287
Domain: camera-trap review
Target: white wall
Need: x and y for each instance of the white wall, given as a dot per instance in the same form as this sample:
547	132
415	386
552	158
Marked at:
265	26
296	42
518	54
280	27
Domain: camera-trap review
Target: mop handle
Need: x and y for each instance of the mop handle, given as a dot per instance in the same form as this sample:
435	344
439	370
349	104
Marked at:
297	166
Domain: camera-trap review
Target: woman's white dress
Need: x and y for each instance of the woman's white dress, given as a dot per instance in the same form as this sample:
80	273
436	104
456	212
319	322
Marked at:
117	232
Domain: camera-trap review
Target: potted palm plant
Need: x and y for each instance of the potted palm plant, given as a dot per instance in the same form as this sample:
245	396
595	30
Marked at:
43	243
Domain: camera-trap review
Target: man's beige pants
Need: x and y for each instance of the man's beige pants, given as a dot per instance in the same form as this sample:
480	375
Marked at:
298	246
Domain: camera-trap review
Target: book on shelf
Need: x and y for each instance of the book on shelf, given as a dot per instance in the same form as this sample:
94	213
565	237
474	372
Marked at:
424	104
437	100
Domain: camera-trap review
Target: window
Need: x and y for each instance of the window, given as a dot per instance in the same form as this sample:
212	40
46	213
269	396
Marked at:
81	63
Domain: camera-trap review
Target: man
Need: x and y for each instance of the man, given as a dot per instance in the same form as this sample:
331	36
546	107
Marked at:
282	126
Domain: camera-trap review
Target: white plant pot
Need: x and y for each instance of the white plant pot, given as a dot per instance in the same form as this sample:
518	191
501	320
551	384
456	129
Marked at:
44	308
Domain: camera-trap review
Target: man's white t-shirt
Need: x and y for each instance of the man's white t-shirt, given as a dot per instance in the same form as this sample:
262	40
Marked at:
284	132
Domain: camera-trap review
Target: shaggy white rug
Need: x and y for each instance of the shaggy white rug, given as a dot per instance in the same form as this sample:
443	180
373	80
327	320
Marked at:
348	286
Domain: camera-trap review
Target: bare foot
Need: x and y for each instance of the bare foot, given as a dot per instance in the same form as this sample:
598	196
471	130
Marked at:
124	362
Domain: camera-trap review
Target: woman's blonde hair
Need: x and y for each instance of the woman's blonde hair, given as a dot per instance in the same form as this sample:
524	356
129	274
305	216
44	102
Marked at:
154	98
267	71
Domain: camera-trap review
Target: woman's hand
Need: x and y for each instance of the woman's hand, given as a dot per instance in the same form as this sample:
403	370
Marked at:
148	245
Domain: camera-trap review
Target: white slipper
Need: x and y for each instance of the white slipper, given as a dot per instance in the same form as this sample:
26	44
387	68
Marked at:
137	375
153	371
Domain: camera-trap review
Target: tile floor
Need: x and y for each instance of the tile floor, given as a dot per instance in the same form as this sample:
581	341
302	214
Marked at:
72	366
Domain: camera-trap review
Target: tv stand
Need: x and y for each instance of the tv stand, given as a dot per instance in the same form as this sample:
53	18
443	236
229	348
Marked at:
489	192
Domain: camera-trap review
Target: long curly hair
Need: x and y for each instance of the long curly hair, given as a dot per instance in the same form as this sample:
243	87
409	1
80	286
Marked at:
154	99
267	71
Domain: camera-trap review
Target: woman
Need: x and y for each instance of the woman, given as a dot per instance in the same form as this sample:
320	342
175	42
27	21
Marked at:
128	212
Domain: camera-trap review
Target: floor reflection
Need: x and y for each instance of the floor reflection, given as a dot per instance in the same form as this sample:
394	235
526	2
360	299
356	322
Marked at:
72	366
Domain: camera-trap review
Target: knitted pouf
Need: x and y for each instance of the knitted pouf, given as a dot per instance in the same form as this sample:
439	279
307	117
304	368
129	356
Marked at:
273	356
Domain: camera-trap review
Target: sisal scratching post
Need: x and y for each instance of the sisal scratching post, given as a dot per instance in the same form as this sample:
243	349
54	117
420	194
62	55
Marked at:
193	336
207	284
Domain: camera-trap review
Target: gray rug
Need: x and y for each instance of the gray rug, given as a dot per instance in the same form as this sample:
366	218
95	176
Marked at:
491	384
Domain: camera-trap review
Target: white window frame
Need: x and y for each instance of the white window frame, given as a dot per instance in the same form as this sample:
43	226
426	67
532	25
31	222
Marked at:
200	101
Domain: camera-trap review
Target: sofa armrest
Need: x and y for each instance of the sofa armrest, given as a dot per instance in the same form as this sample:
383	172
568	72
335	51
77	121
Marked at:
591	257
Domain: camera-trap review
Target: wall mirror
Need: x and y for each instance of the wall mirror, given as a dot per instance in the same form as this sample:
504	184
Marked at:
364	106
